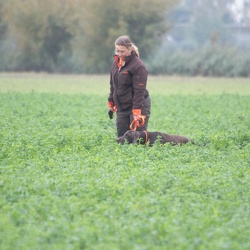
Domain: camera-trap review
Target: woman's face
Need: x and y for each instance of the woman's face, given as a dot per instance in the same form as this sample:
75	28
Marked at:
122	51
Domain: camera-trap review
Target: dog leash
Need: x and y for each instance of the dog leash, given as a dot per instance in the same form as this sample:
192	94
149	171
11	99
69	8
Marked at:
146	138
137	123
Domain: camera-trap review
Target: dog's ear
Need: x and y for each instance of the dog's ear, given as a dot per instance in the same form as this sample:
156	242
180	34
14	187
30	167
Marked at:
136	136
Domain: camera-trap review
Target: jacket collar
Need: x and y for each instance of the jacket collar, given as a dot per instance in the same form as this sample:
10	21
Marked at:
127	58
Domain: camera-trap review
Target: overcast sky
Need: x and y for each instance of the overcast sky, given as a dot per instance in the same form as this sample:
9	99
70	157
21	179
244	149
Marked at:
238	8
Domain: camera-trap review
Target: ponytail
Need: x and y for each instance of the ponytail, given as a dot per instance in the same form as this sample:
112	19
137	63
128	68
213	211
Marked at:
135	49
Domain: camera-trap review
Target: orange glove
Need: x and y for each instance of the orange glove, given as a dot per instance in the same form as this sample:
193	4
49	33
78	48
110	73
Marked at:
112	109
136	114
112	106
139	119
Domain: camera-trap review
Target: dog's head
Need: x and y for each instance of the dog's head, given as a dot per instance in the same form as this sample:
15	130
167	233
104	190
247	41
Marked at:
130	136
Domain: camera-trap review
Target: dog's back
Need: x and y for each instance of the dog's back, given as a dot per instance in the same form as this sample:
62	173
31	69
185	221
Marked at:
143	137
166	138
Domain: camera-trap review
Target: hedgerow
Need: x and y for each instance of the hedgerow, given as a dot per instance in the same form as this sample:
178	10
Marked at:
205	61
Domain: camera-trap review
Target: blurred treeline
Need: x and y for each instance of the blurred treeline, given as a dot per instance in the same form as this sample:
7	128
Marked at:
209	38
76	36
189	37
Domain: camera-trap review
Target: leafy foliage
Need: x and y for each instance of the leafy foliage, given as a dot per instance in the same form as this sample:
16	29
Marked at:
78	36
66	184
204	61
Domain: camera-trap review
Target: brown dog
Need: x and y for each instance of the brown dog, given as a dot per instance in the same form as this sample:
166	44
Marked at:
142	137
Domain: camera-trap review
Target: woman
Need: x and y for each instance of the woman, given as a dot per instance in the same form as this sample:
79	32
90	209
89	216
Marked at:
128	94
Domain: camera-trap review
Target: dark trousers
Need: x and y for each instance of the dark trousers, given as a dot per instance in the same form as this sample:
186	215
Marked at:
125	118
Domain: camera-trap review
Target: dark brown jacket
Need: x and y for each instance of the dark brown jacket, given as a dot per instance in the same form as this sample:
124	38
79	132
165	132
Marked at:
128	85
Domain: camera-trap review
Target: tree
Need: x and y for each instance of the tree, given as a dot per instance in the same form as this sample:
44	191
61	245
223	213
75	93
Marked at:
3	25
3	30
143	21
205	19
41	32
79	35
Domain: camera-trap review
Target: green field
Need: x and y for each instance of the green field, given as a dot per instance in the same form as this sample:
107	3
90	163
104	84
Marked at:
66	184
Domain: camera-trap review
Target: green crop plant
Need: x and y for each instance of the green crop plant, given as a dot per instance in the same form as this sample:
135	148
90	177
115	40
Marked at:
66	184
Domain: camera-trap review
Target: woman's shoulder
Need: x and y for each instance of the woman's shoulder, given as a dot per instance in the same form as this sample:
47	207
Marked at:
137	60
138	63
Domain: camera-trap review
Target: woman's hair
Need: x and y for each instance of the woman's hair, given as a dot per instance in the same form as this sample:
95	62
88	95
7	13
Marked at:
126	41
